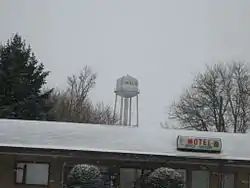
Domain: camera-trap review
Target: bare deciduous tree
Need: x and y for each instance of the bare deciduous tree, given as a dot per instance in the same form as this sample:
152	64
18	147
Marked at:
218	100
103	114
73	105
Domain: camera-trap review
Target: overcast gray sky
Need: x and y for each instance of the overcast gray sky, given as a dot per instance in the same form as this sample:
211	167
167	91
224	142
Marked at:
163	43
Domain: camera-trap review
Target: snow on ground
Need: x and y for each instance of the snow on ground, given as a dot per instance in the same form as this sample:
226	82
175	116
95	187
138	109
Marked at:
72	136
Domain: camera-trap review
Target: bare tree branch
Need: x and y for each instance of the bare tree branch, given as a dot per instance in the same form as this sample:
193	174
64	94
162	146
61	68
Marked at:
73	105
218	100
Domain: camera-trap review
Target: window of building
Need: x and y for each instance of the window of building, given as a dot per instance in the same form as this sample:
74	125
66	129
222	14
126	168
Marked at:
200	179
227	180
128	177
32	173
247	182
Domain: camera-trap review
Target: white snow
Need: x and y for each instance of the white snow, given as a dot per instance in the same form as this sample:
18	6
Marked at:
89	137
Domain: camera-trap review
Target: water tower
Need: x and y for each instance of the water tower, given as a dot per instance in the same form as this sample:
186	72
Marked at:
127	88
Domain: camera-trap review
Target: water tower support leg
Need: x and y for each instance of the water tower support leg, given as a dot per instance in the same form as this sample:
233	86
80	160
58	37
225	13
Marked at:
115	109
126	108
121	110
130	110
137	111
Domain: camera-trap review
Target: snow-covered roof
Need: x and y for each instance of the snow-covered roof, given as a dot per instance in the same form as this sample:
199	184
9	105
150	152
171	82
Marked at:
89	137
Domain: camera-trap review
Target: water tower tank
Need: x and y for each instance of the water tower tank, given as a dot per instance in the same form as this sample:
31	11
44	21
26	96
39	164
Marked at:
127	87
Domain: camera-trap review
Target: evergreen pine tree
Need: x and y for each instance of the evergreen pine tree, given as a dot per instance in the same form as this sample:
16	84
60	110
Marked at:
21	81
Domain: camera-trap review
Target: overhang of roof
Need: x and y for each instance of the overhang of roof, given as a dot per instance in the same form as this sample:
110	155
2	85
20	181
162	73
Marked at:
122	141
116	157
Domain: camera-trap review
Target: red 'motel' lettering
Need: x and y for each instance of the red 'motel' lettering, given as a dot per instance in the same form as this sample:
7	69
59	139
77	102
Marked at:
195	142
190	141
